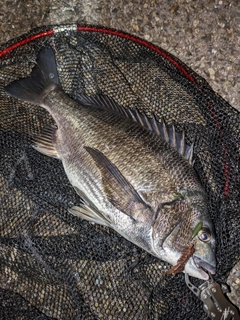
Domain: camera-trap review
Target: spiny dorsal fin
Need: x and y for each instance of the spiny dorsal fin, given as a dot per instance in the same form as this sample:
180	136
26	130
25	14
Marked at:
168	133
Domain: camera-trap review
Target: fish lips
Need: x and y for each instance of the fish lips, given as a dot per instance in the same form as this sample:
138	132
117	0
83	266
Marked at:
203	264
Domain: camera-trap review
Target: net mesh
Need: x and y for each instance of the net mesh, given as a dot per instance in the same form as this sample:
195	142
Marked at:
57	266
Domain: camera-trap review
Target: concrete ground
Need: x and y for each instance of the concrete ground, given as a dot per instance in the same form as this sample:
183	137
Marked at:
205	34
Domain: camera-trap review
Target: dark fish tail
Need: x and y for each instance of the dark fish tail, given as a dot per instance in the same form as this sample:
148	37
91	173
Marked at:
43	79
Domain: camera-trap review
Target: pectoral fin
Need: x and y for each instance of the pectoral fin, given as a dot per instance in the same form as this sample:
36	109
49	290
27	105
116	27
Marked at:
120	193
88	211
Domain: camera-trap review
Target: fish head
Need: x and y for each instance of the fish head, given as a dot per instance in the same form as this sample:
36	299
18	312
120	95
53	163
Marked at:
204	255
187	221
203	258
202	235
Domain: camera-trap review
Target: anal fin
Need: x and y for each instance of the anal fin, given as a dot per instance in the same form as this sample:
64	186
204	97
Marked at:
44	142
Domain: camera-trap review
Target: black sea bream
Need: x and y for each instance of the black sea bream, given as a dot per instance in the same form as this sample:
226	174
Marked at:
129	178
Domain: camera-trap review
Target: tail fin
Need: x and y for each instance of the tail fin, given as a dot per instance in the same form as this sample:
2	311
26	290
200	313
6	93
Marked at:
43	75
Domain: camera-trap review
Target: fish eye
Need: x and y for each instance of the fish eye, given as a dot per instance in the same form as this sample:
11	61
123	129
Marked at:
204	235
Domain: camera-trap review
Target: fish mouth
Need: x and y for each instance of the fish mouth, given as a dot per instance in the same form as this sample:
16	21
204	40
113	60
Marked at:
203	264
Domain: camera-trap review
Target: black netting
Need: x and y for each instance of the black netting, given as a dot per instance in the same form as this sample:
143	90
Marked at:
54	265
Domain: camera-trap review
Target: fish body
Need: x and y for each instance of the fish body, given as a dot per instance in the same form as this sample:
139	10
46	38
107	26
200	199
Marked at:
130	179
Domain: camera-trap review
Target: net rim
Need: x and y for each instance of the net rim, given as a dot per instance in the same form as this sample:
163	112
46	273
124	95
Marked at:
51	30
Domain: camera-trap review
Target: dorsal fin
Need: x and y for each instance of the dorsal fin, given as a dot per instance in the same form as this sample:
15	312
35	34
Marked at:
168	133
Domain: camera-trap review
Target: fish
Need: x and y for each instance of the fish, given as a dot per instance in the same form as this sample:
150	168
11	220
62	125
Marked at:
133	173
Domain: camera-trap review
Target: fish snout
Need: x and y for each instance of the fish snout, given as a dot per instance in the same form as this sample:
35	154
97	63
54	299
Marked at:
205	265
